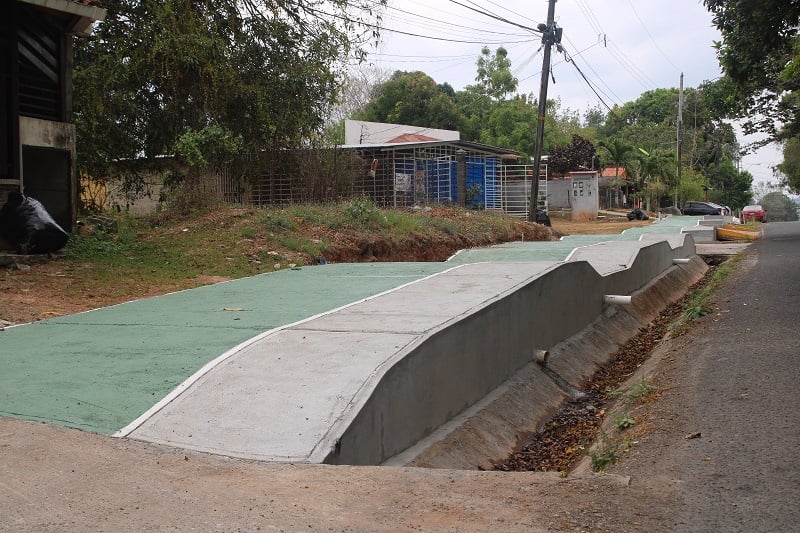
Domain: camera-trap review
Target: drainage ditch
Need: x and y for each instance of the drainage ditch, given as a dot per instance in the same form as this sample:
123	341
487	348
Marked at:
563	441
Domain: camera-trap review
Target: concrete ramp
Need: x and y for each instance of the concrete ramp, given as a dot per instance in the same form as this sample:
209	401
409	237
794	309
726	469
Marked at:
288	395
368	381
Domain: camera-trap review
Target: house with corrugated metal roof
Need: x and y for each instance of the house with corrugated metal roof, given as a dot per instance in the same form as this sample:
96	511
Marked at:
37	152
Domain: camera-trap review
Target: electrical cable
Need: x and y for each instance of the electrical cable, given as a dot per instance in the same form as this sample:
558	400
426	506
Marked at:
633	8
496	17
569	59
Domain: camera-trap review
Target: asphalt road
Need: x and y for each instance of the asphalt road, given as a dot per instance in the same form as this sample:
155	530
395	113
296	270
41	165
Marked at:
741	473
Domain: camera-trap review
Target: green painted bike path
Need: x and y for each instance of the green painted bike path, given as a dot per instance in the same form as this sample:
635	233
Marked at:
560	250
101	369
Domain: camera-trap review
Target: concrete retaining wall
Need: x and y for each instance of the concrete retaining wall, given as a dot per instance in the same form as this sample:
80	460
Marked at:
488	431
459	363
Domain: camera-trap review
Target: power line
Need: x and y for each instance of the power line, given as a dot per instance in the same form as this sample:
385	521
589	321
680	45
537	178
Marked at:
513	12
446	23
616	98
633	8
349	20
628	65
496	17
569	59
591	18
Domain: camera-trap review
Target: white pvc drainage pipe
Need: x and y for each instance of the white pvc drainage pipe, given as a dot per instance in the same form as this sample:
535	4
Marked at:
617	299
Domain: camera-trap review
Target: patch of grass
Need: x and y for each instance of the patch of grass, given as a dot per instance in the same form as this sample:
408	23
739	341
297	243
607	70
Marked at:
604	454
403	223
445	226
313	248
276	221
607	452
169	250
639	391
94	247
699	304
363	213
752	224
249	232
316	214
291	242
634	394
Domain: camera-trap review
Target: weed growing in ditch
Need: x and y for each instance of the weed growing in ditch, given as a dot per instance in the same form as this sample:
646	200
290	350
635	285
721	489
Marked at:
607	452
624	421
635	393
699	304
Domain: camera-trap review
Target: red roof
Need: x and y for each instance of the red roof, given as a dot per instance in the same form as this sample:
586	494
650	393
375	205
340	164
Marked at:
611	171
411	138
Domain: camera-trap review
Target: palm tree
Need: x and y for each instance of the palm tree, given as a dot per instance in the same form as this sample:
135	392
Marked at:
618	152
659	165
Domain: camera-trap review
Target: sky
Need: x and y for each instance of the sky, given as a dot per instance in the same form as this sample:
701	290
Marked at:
623	47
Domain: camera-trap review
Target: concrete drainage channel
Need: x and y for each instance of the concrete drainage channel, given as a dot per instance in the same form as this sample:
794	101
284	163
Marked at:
485	434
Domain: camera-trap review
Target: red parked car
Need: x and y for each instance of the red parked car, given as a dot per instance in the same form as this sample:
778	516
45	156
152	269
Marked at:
754	212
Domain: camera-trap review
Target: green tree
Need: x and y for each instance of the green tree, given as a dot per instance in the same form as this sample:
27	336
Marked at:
779	207
618	152
263	71
494	77
759	56
656	170
790	166
691	186
414	98
510	124
728	185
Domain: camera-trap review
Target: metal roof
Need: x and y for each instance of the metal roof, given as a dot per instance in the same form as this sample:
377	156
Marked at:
463	145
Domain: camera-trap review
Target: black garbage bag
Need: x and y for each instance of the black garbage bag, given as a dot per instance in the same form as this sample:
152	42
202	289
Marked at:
28	227
637	214
542	218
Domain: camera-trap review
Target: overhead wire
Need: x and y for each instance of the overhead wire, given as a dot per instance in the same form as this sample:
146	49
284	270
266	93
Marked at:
618	55
489	14
344	18
446	31
636	13
571	60
616	98
444	23
512	12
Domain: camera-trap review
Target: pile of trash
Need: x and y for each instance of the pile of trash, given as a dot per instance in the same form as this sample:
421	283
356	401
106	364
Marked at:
28	227
637	214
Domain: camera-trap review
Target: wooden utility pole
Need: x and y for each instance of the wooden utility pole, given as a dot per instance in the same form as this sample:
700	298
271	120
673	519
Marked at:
679	147
549	37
